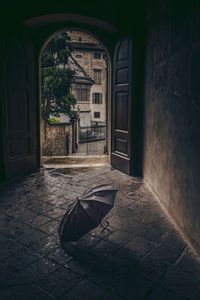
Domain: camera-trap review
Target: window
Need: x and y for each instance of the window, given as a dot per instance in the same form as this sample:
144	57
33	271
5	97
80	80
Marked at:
97	55
96	114
97	98
82	93
97	76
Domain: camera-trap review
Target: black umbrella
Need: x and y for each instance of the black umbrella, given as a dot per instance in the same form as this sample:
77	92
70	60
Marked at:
86	212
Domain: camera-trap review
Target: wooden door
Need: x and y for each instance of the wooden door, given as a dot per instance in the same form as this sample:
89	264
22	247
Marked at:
122	107
18	103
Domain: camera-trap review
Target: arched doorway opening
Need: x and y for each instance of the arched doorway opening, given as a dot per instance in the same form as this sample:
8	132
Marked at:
21	150
80	134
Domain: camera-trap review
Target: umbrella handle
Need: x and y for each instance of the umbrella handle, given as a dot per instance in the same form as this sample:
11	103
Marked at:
105	225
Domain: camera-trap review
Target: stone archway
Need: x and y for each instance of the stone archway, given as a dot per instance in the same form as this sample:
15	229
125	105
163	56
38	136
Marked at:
45	26
94	132
39	29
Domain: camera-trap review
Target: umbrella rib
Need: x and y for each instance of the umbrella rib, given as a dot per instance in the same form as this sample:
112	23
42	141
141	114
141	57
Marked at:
89	213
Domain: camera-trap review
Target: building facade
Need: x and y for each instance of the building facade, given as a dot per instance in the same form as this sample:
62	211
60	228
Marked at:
91	56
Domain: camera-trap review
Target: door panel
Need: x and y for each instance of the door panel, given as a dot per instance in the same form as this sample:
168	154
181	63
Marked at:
121	112
17	92
122	106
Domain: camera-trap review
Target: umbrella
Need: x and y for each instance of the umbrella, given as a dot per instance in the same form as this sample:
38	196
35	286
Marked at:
86	212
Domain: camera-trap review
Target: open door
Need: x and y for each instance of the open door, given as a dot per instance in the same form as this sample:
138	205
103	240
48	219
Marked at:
122	107
18	104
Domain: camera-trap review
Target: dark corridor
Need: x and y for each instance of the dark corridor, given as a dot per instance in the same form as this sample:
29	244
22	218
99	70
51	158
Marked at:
164	139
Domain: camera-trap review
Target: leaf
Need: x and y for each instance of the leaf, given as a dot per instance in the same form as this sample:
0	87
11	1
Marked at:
56	78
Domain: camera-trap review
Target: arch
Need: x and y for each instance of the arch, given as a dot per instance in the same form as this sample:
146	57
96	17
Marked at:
44	26
108	79
75	18
74	28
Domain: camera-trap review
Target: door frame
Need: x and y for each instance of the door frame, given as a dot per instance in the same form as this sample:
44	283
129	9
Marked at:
108	83
42	27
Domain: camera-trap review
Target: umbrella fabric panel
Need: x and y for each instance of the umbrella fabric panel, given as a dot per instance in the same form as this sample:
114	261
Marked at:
75	224
97	194
86	212
96	210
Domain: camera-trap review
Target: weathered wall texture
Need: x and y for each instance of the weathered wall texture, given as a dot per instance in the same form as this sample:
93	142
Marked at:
172	113
55	139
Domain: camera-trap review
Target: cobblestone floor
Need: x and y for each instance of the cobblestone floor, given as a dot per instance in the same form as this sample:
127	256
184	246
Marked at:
140	256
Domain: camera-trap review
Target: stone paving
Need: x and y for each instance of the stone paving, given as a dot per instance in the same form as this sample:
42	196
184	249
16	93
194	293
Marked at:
140	256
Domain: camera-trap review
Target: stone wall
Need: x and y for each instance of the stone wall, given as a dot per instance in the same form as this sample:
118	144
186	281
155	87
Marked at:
172	113
55	139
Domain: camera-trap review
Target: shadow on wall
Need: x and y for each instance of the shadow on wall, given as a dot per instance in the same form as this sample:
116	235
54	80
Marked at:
172	136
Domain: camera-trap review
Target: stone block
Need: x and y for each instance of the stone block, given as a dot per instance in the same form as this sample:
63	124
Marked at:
85	290
132	287
59	282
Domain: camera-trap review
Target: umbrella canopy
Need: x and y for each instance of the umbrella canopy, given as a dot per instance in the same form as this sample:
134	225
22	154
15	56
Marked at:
86	212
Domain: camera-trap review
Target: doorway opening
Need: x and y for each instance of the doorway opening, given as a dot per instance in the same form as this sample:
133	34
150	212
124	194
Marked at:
22	149
75	100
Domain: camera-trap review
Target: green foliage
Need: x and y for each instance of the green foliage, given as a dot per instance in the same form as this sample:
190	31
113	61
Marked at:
53	120
56	77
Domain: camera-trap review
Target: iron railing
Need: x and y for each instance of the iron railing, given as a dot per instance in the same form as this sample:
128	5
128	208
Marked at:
93	133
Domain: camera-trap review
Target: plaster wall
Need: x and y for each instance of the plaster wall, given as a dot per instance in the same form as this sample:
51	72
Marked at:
172	114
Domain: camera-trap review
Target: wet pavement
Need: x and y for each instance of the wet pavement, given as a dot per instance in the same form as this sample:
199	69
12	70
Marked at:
140	256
